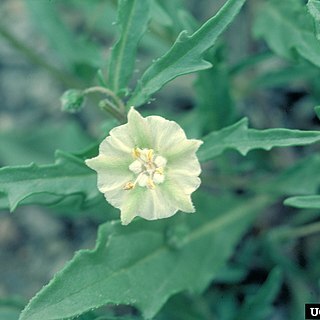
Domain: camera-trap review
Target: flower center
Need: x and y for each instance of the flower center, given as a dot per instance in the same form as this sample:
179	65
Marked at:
148	167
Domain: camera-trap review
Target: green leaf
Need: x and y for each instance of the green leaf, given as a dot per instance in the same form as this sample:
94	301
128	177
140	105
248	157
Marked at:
259	306
306	202
48	183
288	29
172	15
314	9
296	278
303	178
213	100
183	307
242	139
158	259
9	313
37	144
10	308
160	15
186	55
133	16
98	16
317	110
288	76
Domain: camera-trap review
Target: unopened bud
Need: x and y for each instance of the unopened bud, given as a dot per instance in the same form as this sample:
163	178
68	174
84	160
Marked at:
72	101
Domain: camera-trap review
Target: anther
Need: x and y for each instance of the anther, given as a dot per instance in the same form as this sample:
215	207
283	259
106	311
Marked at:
136	153
129	185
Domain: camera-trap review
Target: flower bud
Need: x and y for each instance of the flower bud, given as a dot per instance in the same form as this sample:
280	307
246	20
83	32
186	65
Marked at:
72	100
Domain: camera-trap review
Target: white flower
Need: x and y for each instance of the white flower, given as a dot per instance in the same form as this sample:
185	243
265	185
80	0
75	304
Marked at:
148	168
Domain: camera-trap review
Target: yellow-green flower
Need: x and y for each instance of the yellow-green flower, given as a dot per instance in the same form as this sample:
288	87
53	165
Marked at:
148	168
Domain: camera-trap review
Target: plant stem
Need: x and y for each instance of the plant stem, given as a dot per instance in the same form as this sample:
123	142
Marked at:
109	93
291	233
108	106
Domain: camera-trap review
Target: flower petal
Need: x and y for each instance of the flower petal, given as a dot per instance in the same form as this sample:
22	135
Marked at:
113	172
186	182
146	203
139	129
174	192
165	134
119	139
183	150
185	164
117	195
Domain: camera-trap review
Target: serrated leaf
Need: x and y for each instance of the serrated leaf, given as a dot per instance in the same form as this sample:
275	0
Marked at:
304	202
241	138
133	16
314	9
67	176
288	29
260	305
157	260
186	55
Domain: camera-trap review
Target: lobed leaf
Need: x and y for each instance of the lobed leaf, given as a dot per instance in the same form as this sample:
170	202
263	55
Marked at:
304	202
157	260
241	138
186	54
288	29
133	17
48	183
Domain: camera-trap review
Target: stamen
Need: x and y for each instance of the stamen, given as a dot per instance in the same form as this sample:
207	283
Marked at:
150	184
129	185
148	167
159	170
150	155
136	152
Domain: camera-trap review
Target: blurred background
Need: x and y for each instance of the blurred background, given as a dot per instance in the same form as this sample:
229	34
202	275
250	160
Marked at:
47	47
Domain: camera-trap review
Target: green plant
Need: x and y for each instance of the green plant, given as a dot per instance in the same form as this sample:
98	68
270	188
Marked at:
189	266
